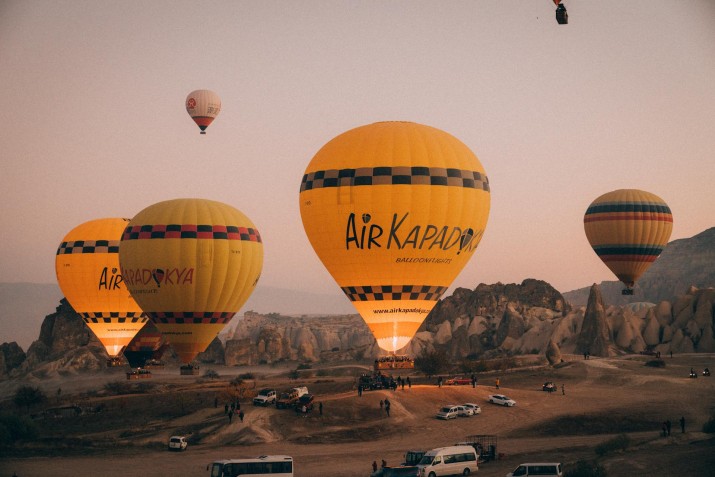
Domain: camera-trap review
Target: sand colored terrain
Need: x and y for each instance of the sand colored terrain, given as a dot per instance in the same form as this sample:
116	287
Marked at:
603	397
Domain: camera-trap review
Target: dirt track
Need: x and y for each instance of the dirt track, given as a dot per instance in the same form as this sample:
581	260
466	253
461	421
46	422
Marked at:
354	431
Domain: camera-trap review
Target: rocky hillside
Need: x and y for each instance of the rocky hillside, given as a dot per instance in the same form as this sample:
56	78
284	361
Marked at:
683	263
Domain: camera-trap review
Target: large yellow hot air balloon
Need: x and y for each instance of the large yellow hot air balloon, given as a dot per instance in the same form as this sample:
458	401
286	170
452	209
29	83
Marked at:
87	267
394	210
191	264
203	106
628	229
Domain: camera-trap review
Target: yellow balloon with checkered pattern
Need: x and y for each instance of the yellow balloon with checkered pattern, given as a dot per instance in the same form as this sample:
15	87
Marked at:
394	210
191	264
87	268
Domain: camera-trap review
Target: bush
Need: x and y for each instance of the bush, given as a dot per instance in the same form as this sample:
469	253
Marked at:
14	428
28	396
246	376
618	443
304	366
584	468
210	374
655	363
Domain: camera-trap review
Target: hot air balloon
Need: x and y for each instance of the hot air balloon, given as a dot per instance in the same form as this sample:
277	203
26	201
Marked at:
191	264
87	267
628	229
203	106
394	210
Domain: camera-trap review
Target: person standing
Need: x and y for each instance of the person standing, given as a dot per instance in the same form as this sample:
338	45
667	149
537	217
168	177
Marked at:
374	466
240	415
474	381
230	416
667	426
497	383
320	407
225	408
409	383
682	424
387	407
563	389
382	403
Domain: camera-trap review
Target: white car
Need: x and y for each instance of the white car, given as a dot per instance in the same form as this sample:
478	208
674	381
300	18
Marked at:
501	400
448	412
177	443
464	411
474	407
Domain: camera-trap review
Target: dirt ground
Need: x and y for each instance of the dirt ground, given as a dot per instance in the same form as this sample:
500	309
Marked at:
600	399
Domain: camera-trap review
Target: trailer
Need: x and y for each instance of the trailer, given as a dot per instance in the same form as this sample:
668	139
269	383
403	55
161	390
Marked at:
485	445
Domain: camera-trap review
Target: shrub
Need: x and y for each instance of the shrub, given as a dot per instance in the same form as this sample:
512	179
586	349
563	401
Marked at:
14	428
210	374
655	363
618	443
304	366
246	376
28	396
584	468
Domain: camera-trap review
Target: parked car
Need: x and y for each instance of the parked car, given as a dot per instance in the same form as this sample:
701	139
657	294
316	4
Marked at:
457	380
448	412
265	397
304	403
474	407
177	443
501	400
549	387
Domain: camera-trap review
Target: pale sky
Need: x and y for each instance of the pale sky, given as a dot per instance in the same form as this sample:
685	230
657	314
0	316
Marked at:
93	123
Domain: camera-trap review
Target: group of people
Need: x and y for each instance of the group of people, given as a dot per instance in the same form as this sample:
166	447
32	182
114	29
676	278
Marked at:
665	428
230	410
386	405
374	465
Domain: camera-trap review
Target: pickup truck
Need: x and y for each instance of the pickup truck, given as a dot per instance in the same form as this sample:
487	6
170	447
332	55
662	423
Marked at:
265	397
287	399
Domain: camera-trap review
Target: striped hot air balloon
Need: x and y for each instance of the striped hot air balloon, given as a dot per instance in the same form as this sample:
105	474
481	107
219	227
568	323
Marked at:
628	229
203	106
87	268
191	264
394	210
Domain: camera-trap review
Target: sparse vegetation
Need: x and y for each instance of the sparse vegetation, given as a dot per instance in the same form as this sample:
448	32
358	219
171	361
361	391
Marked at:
584	468
432	362
211	374
655	363
304	366
618	443
28	396
14	428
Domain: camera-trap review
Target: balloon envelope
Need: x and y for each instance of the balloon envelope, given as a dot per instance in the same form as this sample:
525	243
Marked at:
203	106
628	229
191	264
87	268
394	210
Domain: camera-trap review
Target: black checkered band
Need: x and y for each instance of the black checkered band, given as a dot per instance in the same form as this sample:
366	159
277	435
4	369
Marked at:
114	318
394	292
437	176
190	317
88	246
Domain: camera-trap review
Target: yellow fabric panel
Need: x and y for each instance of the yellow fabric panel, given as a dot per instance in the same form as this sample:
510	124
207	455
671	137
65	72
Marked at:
172	275
401	229
188	340
115	335
88	273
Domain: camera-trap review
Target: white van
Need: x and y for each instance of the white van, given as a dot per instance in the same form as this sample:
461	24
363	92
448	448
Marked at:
548	469
453	460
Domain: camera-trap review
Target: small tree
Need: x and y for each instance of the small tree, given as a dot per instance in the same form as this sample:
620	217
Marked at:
29	396
431	362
